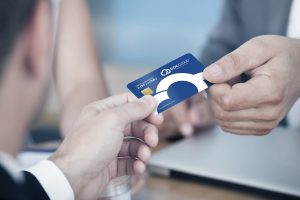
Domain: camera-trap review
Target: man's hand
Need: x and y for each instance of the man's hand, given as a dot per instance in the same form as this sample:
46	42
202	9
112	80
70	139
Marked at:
109	139
186	116
259	104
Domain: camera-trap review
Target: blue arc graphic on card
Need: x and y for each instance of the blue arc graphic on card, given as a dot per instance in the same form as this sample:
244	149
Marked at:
172	83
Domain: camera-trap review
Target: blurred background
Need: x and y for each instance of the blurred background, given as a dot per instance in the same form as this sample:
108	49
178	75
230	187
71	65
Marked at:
151	32
140	36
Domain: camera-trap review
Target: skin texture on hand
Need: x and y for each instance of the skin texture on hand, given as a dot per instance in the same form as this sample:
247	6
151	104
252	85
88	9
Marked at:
259	104
109	139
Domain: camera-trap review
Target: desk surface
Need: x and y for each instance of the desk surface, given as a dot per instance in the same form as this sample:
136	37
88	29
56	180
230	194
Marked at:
160	187
170	189
165	188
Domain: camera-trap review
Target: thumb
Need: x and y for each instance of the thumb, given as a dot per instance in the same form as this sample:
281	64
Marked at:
133	111
250	55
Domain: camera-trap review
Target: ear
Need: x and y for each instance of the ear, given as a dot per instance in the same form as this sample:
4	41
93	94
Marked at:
39	34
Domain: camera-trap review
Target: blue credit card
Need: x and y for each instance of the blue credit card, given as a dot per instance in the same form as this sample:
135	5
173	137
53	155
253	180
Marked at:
172	83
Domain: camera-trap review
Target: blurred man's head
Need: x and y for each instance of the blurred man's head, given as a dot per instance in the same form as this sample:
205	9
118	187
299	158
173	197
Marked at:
25	37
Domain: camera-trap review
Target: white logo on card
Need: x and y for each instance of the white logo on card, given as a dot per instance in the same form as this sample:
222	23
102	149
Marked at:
166	72
165	83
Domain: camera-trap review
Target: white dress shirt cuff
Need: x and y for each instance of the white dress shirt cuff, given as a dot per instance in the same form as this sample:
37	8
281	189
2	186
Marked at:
52	180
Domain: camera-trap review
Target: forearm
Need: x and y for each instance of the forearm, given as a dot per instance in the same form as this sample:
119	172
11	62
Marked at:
77	69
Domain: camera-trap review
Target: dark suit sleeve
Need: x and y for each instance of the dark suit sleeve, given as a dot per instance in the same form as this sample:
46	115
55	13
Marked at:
33	188
29	189
226	36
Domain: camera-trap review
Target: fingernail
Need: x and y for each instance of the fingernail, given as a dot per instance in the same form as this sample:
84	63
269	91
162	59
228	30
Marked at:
214	70
186	129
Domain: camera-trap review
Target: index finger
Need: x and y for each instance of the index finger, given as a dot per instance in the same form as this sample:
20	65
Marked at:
250	55
240	96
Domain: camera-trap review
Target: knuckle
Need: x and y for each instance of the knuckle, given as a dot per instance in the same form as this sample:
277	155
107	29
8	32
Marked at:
226	103
234	60
96	106
275	115
257	42
276	98
88	109
220	115
110	116
271	115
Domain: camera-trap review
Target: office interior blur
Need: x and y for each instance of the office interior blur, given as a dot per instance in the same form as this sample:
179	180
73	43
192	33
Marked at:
238	139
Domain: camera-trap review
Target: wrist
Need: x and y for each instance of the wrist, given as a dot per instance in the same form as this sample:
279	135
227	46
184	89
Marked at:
67	168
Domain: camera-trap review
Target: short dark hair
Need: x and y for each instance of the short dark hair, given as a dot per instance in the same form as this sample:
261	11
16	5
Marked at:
14	15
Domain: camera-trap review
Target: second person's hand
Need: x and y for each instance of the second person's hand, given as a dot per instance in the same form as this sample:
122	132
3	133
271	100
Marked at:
259	104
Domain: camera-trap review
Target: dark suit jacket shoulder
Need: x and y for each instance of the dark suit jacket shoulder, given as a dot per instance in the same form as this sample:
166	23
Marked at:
242	20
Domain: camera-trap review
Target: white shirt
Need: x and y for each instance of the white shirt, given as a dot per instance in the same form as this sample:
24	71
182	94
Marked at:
46	172
52	180
293	31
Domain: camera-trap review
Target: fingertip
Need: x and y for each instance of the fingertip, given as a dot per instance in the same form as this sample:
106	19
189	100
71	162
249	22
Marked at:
139	167
213	73
151	136
194	115
186	130
206	75
156	119
149	101
144	153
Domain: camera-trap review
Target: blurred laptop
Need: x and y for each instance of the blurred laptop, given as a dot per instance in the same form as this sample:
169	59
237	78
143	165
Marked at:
270	162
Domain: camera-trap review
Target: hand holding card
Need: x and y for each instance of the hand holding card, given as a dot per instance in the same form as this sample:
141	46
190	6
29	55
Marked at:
172	83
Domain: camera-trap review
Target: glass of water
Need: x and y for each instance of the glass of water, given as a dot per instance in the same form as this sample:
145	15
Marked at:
118	189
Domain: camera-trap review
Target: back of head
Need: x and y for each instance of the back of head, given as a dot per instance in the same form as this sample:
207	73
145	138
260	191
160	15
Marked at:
14	15
25	70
